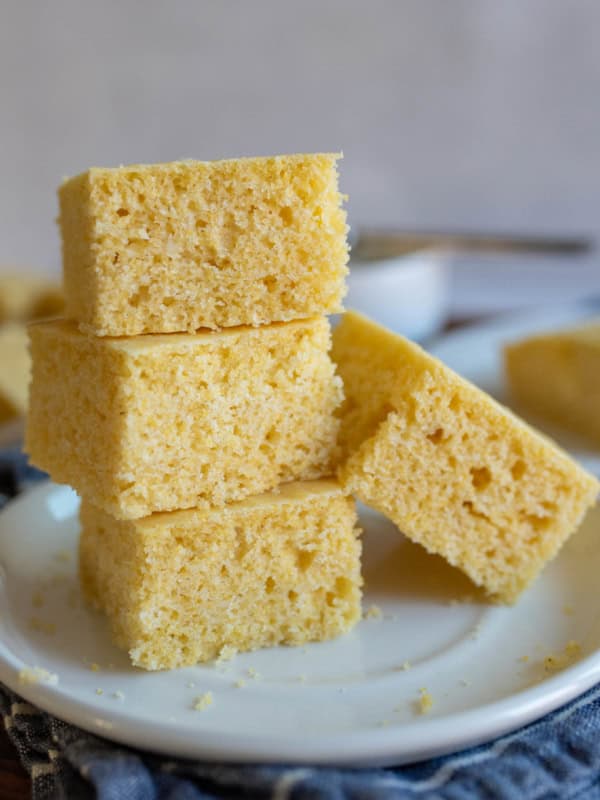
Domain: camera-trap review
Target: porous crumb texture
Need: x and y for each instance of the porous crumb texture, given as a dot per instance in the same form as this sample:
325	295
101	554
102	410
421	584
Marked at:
179	588
556	377
156	423
177	247
456	471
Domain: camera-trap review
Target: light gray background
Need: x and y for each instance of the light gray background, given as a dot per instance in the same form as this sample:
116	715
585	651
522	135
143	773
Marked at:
451	113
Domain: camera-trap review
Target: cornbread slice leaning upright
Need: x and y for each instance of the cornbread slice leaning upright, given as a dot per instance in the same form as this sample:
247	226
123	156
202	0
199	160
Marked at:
556	376
163	422
188	586
456	471
177	247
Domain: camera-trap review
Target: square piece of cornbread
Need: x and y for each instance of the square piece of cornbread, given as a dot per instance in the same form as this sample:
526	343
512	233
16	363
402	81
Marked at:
176	247
188	586
163	422
456	471
556	377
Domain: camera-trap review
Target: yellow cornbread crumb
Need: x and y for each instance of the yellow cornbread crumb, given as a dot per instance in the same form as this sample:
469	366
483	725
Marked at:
560	661
169	422
202	702
33	675
226	654
457	472
95	667
118	695
556	377
405	666
252	673
373	612
425	701
176	247
524	659
99	691
240	683
179	587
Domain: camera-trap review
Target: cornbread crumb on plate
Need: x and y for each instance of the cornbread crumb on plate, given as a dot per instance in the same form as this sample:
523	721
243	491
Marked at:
202	702
226	654
559	661
157	423
373	612
556	377
425	701
191	244
33	675
180	587
457	472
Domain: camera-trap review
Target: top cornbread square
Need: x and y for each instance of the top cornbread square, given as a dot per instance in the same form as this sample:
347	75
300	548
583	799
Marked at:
176	247
456	471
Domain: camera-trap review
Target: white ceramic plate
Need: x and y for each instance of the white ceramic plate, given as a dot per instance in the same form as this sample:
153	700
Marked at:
353	701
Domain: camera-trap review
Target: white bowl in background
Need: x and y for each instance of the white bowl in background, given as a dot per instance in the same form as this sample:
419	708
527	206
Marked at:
406	293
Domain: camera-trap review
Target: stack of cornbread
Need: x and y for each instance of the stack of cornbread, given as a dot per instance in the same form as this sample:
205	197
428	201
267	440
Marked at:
190	399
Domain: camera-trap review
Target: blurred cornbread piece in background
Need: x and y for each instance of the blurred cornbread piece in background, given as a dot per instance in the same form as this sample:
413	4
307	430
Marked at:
14	370
187	586
191	244
456	471
163	422
25	297
556	376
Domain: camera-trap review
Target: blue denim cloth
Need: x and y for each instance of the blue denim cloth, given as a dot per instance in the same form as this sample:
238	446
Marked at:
556	757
